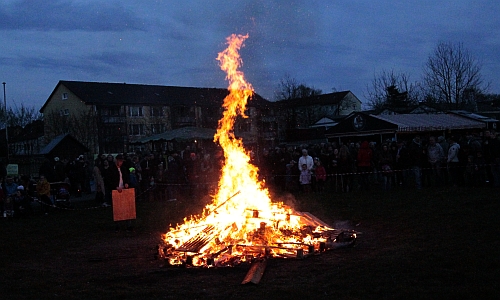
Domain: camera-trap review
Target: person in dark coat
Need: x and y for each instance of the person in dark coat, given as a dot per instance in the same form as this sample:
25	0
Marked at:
116	177
417	159
365	164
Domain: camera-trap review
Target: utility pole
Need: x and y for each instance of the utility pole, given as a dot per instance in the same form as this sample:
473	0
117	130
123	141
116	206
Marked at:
6	125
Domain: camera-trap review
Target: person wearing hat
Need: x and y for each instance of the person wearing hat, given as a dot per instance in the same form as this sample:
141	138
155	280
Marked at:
133	182
117	178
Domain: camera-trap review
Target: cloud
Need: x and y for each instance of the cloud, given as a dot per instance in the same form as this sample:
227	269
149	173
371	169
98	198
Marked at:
68	15
326	44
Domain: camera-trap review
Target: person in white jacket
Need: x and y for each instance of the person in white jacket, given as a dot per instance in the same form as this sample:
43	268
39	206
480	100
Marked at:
453	162
305	159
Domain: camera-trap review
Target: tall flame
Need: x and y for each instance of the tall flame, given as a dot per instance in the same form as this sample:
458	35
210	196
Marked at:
238	175
242	214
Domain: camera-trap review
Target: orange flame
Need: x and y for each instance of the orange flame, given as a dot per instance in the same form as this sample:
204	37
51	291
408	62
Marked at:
242	211
237	174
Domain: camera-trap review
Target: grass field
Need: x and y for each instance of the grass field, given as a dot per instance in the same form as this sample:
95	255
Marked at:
427	244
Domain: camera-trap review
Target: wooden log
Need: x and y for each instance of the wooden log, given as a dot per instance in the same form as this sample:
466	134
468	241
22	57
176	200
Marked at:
256	271
268	246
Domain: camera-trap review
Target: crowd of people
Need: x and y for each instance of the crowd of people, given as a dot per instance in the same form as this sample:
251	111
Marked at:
470	159
423	161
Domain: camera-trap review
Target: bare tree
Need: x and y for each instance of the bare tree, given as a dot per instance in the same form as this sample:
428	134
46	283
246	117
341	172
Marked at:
83	127
19	116
391	89
451	73
289	88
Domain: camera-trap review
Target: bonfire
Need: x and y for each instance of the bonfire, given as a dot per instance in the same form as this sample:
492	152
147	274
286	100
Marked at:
242	223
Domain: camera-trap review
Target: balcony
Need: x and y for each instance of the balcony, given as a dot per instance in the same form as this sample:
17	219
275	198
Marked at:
113	119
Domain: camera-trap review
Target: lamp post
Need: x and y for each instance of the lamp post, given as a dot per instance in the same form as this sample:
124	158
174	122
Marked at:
6	125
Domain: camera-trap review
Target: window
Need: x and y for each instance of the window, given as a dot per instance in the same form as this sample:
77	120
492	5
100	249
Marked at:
65	96
135	111
112	111
157	128
64	112
182	111
156	111
136	129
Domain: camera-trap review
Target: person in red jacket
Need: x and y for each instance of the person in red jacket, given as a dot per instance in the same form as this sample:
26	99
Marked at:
320	174
364	164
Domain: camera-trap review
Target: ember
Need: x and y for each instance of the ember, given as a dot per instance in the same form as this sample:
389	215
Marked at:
242	224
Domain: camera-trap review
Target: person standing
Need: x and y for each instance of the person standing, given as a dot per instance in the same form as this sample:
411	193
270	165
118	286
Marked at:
453	162
22	203
364	164
435	156
116	178
307	160
119	178
401	163
445	145
385	165
320	175
418	156
99	181
10	187
147	172
43	192
305	179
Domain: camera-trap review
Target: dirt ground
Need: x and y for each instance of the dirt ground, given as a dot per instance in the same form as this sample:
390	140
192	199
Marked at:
430	244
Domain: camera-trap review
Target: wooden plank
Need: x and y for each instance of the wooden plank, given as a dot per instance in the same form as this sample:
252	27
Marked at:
123	205
315	219
256	271
198	241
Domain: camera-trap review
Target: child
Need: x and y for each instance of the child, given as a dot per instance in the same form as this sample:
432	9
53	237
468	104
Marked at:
133	182
305	179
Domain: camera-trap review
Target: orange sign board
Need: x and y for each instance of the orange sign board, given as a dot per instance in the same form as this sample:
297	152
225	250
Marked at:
123	205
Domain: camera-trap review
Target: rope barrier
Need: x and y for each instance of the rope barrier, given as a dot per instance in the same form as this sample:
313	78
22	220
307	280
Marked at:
212	183
392	171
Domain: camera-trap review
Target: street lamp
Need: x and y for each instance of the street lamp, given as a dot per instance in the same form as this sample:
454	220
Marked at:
6	125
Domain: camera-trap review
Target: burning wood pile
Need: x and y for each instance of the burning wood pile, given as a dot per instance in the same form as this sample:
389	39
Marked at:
242	224
221	245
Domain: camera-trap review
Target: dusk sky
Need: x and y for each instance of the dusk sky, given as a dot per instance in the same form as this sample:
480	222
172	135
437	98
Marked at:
325	44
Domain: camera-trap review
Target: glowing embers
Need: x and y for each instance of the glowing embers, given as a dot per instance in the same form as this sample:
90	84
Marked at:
275	237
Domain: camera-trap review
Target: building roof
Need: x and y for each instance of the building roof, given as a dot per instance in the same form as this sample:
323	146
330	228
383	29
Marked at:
105	93
325	122
425	122
184	133
55	142
474	116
